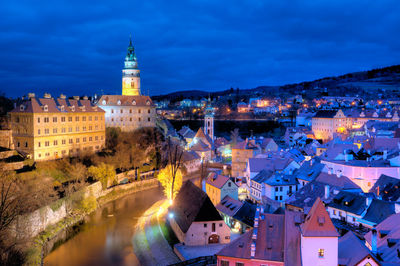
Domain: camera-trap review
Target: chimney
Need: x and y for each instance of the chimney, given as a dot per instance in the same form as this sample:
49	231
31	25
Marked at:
31	95
374	241
62	96
326	191
47	95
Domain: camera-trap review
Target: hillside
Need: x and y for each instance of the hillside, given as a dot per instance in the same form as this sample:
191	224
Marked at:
384	81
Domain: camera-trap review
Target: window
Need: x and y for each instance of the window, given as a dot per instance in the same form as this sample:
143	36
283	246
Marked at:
90	138
47	143
63	141
38	131
96	138
63	119
70	129
276	188
95	118
220	224
54	130
38	119
83	118
77	118
70	141
280	188
334	212
84	139
121	111
148	119
83	128
112	111
130	111
213	227
77	129
148	111
280	197
46	131
90	128
77	140
39	144
229	184
139	111
63	130
239	264
140	119
90	118
46	120
205	225
54	119
224	263
321	252
70	119
55	143
26	144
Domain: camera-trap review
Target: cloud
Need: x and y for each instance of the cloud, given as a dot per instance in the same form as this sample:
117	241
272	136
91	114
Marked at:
78	47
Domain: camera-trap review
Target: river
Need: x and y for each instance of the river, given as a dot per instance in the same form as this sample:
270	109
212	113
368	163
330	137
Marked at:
106	236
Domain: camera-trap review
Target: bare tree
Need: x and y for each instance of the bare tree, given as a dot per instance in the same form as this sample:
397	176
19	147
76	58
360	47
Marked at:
174	160
235	136
11	205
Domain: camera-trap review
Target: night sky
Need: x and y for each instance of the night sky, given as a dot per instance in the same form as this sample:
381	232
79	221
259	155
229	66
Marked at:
78	47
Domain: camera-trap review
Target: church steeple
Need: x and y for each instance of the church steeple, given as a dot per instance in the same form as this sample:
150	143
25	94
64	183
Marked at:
130	73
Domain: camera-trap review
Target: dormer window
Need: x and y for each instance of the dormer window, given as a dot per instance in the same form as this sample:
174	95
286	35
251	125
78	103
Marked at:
119	102
22	107
73	108
104	102
133	102
45	108
62	108
148	103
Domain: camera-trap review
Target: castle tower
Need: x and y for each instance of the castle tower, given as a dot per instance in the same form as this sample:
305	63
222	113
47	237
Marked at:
131	73
209	121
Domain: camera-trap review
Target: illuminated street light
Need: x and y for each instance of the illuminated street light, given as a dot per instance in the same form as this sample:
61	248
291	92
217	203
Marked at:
170	215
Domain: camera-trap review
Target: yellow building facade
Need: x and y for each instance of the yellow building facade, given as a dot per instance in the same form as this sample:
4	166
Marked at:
48	128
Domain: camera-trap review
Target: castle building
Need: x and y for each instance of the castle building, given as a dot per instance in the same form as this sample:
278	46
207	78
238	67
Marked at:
50	128
131	110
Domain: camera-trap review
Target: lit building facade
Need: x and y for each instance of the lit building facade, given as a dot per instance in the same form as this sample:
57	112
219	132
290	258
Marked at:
50	128
131	73
326	123
128	112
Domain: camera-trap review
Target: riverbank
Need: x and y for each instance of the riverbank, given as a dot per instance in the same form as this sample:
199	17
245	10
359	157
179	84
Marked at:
38	246
152	239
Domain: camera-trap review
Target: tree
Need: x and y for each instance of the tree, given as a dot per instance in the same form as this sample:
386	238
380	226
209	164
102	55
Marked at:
171	176
103	173
235	136
11	205
171	184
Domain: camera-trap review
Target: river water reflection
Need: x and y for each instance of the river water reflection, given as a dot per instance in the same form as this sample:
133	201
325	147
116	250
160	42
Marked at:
106	236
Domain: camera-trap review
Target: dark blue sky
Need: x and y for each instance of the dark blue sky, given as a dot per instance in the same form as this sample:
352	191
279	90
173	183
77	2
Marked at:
78	47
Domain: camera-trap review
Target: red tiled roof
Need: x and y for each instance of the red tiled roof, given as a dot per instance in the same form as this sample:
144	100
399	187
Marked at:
318	223
37	105
217	180
125	100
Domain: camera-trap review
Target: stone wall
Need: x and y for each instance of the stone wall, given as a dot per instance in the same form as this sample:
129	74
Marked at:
6	139
31	224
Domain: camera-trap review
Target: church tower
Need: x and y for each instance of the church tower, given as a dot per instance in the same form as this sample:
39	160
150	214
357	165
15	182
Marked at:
131	73
209	121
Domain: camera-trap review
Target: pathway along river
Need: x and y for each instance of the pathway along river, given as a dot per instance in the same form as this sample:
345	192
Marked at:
106	236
